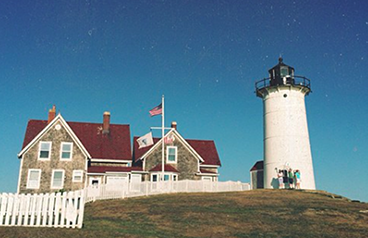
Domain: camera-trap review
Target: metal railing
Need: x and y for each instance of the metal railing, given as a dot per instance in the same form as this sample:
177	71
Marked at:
298	81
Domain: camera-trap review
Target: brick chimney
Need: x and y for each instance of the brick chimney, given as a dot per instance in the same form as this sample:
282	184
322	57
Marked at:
173	125
52	114
106	123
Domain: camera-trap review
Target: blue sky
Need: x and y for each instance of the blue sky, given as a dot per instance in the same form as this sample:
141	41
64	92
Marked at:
87	57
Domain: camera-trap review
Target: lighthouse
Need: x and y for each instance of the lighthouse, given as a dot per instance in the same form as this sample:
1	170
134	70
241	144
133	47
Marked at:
286	136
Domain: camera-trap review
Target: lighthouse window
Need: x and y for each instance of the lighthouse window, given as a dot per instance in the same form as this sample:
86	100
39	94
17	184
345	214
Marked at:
284	71
285	95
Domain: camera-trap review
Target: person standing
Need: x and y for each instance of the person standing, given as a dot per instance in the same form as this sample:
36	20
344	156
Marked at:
297	176
280	177
286	179
291	178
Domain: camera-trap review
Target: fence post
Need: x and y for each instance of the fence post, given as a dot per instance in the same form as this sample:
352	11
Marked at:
38	209
51	210
81	208
4	199
75	208
28	206
14	209
63	209
46	199
32	207
8	209
21	209
146	187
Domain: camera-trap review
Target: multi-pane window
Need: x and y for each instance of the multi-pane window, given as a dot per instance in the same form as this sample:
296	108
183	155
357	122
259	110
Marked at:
77	175
57	180
167	177
34	176
44	150
171	154
66	150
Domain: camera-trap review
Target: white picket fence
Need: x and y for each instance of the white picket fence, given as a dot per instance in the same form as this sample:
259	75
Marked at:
42	210
66	210
124	190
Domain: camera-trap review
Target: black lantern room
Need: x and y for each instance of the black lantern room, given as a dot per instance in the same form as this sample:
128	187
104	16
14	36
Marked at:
281	74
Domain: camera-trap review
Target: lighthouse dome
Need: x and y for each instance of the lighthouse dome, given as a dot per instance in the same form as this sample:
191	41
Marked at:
281	74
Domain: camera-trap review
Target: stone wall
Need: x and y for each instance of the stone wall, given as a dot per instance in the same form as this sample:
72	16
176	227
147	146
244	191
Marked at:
187	164
31	161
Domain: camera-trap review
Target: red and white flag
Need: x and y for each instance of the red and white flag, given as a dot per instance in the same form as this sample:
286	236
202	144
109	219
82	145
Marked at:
156	110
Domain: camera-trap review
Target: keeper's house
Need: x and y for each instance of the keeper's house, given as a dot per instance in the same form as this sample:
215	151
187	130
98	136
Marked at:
59	155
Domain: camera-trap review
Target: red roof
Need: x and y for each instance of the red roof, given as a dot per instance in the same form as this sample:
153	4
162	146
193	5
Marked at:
167	167
205	148
257	166
114	145
104	169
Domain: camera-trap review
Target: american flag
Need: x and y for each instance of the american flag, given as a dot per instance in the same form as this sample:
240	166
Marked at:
156	110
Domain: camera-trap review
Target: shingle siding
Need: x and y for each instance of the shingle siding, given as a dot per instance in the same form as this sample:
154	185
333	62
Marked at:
187	164
31	161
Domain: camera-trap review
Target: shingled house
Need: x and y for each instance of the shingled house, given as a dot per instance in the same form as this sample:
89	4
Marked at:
183	158
59	155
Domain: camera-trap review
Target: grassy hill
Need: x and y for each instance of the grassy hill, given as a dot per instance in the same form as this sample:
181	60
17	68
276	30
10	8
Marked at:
260	213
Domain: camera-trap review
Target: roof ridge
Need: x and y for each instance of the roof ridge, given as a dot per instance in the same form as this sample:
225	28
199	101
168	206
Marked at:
97	123
159	138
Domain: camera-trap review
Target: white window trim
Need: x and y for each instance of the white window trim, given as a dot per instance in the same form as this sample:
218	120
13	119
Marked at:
62	180
158	177
39	178
39	150
94	178
167	154
207	178
61	151
171	176
74	174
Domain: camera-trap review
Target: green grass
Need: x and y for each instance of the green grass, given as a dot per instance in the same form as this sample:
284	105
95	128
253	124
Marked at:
261	213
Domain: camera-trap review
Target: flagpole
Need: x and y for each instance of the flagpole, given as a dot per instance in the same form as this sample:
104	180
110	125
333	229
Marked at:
163	133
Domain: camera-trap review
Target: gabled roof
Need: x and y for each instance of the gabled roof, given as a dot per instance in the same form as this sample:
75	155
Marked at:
114	145
257	166
206	149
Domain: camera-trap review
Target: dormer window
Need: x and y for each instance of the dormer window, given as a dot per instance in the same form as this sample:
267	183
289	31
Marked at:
66	149
44	150
172	154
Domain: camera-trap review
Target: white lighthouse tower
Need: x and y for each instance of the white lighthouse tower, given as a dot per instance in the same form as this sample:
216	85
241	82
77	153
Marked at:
286	137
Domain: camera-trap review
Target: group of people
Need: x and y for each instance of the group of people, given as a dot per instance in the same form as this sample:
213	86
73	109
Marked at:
289	178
